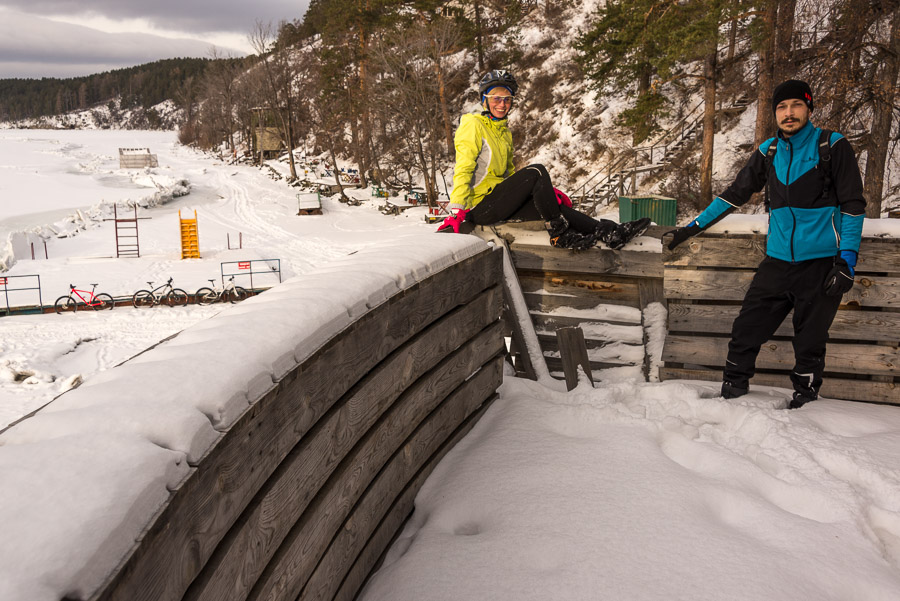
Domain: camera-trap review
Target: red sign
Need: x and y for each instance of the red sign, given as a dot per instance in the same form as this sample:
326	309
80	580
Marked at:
244	265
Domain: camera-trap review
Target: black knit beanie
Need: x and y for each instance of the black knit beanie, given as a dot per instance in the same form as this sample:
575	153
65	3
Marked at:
792	88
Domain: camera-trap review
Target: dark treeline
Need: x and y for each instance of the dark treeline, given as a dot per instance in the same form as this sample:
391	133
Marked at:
382	82
141	86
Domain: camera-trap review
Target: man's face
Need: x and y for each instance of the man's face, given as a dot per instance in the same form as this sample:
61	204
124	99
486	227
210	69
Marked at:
791	115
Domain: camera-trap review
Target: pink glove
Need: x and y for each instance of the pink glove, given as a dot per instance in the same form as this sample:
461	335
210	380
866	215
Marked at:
562	199
454	221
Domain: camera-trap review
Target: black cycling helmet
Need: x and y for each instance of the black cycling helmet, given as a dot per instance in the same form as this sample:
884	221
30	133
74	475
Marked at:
498	78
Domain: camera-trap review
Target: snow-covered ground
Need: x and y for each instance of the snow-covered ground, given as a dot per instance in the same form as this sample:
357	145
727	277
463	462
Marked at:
60	186
631	490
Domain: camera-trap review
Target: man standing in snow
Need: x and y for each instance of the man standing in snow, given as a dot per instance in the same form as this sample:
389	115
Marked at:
816	209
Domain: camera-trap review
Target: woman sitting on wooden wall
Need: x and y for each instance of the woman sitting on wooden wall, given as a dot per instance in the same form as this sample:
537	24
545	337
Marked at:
487	189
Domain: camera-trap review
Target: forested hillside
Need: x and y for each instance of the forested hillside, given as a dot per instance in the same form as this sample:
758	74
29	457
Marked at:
383	83
142	86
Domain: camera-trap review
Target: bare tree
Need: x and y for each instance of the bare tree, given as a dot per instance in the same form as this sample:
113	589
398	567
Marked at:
220	82
277	66
409	88
882	118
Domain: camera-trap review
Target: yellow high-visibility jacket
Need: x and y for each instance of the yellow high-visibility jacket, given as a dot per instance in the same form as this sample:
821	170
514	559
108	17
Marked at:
484	158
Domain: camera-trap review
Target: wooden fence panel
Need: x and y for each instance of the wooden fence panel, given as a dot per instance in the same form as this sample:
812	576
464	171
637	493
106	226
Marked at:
876	255
779	354
203	511
706	279
275	510
563	288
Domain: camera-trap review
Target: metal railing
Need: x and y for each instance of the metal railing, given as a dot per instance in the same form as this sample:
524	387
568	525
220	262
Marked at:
250	268
5	282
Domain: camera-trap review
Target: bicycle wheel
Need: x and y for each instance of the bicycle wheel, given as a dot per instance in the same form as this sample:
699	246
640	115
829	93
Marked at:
238	294
65	304
177	298
206	296
103	301
142	298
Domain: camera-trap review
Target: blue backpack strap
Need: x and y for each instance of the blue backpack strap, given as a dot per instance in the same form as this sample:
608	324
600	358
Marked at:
825	160
770	158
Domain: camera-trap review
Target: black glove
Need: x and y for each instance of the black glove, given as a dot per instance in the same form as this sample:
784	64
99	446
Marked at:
840	279
683	233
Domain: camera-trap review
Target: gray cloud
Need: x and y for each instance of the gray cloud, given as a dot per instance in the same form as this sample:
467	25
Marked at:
198	16
36	47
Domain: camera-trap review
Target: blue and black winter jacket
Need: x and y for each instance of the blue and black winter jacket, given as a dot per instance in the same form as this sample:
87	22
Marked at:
804	223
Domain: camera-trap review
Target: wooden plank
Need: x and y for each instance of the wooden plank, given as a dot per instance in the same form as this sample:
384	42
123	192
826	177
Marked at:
594	260
848	324
876	255
186	532
618	328
832	388
589	286
651	291
511	231
573	354
779	354
578	292
394	478
691	284
256	536
682	284
368	560
554	364
707	250
549	303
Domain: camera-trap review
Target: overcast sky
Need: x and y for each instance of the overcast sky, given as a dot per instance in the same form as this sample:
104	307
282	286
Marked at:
68	38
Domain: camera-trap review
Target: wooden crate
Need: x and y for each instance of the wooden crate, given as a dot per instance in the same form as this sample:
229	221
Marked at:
600	290
706	279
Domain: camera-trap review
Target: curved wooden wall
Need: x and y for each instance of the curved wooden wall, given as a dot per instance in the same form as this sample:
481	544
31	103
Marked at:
302	495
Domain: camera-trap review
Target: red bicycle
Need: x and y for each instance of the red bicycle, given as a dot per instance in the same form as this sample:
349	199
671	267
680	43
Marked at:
97	302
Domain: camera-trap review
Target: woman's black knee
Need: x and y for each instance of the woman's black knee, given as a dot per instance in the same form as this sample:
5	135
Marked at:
540	168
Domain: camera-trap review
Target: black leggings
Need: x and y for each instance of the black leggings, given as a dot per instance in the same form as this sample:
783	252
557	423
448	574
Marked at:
528	195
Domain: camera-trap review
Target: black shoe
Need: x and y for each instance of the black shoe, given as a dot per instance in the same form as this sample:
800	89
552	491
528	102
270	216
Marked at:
730	390
626	232
802	398
573	240
556	226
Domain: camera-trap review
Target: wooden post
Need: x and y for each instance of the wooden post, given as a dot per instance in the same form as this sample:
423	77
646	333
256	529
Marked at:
573	352
523	335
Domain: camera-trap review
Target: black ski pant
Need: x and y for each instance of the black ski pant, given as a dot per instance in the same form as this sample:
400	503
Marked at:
778	287
528	195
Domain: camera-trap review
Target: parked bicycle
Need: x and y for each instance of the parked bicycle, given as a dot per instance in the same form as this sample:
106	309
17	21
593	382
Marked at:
86	298
174	297
230	293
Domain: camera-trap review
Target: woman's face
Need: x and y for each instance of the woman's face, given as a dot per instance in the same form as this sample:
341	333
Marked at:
498	101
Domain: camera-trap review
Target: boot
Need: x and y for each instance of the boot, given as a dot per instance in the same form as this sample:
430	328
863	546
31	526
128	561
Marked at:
573	240
733	390
626	232
563	236
802	397
556	226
